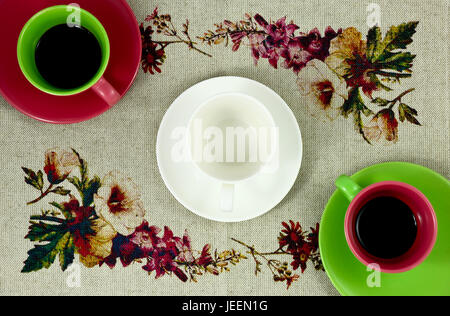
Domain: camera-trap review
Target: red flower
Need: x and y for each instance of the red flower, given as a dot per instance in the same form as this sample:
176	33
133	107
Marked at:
152	16
301	256
290	279
138	245
80	225
161	261
152	57
313	238
359	75
291	236
316	45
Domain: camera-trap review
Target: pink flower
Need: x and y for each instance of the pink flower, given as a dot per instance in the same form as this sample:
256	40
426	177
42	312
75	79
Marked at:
146	237
184	249
257	46
306	47
295	56
273	44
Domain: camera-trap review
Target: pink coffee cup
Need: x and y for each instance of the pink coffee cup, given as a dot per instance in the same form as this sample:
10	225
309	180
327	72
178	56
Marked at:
422	209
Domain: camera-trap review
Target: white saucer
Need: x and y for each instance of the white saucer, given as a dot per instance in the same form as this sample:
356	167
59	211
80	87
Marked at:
200	194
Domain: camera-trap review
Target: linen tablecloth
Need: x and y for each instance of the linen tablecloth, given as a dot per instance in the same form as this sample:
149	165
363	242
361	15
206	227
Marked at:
124	139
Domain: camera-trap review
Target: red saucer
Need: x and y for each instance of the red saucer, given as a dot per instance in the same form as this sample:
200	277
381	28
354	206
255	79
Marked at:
126	48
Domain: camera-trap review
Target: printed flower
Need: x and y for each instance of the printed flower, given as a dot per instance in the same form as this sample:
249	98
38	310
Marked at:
184	249
92	237
326	90
291	279
80	225
59	164
162	257
384	125
313	238
279	33
316	45
274	43
291	236
162	262
295	56
306	47
152	57
348	59
100	242
301	256
124	249
205	257
146	237
257	46
118	203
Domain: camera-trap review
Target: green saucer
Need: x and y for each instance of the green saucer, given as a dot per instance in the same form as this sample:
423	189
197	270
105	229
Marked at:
349	276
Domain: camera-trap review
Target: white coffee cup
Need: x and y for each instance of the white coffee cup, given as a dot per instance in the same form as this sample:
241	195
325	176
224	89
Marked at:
232	138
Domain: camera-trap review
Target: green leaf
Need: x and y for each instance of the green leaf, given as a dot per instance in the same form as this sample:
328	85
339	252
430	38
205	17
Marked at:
408	113
40	179
34	179
83	167
90	190
401	113
67	254
410	110
61	191
398	37
354	104
378	83
359	125
43	256
87	188
44	232
397	61
67	214
380	102
374	38
412	119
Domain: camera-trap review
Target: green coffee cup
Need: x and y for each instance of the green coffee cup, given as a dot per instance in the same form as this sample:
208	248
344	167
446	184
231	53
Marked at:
38	25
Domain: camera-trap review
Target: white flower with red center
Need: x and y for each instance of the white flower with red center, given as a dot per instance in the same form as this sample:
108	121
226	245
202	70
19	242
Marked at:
327	92
118	202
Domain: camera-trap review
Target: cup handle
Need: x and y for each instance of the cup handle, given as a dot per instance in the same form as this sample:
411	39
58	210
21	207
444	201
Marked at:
106	91
347	186
227	198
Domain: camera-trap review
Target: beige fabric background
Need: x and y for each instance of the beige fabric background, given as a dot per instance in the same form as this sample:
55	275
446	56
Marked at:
124	139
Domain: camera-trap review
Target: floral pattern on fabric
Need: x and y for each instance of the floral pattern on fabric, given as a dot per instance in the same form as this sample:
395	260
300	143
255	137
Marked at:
103	221
339	71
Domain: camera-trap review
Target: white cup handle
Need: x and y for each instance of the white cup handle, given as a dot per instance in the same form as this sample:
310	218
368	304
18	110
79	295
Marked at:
227	198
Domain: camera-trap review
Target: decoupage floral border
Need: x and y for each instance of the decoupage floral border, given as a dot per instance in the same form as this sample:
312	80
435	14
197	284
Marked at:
102	221
332	71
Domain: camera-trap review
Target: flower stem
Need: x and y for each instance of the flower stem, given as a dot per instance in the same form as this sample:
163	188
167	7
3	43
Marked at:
44	194
399	98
